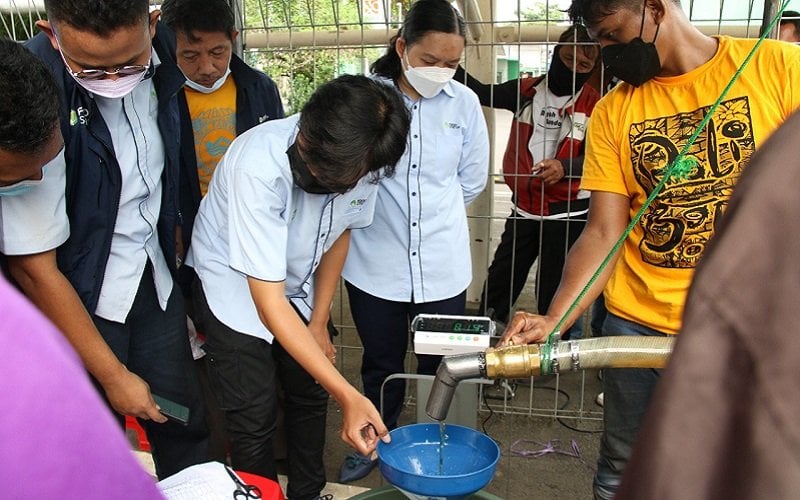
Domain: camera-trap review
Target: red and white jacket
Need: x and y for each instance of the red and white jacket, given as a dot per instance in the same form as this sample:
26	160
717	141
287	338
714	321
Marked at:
530	194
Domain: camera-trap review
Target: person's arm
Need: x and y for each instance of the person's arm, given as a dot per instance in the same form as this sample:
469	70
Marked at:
504	95
608	218
362	424
473	167
52	293
326	279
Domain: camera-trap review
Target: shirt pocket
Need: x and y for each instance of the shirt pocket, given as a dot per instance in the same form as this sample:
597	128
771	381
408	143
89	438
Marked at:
449	145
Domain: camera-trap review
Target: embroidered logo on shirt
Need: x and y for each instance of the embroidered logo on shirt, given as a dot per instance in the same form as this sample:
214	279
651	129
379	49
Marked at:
356	206
451	125
81	115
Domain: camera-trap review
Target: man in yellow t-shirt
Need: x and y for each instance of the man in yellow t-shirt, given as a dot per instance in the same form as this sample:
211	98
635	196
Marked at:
672	75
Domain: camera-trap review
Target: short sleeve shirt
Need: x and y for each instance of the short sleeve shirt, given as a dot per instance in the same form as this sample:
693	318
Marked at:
634	135
36	221
254	222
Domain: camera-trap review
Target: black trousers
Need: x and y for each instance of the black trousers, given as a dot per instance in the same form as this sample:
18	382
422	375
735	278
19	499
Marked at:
383	326
245	373
154	344
523	241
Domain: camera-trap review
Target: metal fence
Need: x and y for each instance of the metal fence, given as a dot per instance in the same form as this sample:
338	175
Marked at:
303	43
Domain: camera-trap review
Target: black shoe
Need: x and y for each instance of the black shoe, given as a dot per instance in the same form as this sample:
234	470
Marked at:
355	467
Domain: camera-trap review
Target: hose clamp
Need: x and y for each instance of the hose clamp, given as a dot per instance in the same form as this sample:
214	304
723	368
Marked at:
554	365
574	352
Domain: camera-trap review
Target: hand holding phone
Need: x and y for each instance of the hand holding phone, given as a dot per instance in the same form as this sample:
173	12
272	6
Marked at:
172	410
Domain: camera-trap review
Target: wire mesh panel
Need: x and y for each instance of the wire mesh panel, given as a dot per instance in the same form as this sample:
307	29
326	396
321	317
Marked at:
304	43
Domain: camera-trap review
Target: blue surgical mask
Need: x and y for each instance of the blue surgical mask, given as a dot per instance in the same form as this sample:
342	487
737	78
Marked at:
18	188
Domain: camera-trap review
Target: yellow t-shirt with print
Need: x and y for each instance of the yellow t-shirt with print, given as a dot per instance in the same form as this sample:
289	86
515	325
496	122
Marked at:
214	125
635	133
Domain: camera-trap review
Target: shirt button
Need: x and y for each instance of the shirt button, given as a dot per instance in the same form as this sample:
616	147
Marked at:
415	136
414	193
413	224
413	253
413	166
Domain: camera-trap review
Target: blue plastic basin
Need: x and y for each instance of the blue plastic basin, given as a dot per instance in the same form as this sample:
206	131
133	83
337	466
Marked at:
411	461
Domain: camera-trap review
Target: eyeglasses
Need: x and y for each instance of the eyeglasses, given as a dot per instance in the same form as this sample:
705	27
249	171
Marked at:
96	74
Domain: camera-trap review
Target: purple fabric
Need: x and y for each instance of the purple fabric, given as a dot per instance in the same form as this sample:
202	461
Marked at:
57	437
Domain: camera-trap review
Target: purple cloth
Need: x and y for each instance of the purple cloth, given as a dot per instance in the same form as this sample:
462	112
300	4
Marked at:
57	437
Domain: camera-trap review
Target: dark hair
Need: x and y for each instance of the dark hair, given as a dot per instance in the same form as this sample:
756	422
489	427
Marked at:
791	17
591	12
577	34
29	106
351	126
209	16
422	18
101	17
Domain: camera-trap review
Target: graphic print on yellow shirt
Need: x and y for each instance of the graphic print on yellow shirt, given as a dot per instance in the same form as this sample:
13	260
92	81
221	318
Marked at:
634	135
214	125
681	219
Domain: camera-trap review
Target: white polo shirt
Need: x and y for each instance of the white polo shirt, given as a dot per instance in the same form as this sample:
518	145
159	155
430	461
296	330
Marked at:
255	222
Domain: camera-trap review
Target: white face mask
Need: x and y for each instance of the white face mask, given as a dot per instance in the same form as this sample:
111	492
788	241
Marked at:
207	90
427	80
18	188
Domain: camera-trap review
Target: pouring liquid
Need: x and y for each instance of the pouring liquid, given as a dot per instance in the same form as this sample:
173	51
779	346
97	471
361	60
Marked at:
442	444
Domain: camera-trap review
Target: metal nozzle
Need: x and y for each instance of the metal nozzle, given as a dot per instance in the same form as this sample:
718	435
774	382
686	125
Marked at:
451	371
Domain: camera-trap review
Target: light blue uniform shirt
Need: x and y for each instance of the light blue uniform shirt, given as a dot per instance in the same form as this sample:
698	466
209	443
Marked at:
255	222
36	221
139	149
417	247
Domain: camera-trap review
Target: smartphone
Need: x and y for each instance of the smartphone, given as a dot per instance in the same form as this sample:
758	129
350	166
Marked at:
172	410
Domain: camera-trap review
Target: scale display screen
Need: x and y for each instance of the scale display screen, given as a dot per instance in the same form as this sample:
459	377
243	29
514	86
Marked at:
452	324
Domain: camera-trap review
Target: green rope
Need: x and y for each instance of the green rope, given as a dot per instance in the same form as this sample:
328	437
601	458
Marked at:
679	169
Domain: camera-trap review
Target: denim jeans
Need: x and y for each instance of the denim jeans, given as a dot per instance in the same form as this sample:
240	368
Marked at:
154	344
245	373
383	328
597	318
627	393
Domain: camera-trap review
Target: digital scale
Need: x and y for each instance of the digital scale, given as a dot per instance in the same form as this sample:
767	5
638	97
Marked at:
442	334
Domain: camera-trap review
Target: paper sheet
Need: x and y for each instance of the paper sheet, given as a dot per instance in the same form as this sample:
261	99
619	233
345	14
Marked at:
208	481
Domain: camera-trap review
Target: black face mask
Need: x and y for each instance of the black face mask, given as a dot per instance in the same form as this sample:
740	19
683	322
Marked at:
634	62
303	177
559	77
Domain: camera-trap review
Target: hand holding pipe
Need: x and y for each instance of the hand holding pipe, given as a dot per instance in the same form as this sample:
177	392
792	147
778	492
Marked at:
544	359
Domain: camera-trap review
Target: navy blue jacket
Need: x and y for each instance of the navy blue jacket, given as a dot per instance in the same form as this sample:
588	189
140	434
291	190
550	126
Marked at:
257	100
94	179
